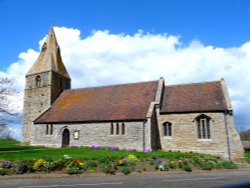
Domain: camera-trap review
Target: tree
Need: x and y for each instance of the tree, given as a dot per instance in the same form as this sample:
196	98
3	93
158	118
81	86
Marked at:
7	110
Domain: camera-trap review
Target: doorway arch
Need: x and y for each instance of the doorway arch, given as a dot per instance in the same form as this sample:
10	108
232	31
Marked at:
65	137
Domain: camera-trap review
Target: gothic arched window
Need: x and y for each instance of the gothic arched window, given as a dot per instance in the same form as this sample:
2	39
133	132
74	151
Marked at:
167	129
38	81
203	127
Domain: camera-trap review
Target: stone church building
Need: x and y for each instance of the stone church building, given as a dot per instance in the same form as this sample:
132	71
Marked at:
194	117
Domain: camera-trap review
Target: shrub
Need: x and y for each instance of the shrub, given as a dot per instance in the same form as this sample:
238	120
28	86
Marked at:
6	164
19	167
30	165
206	166
91	164
58	165
229	165
139	170
172	164
73	170
75	167
3	172
125	170
187	168
107	168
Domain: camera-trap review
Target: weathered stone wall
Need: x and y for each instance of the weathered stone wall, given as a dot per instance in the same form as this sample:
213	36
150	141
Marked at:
91	134
236	146
184	135
37	99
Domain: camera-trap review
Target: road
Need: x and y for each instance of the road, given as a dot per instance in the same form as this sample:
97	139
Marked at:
187	180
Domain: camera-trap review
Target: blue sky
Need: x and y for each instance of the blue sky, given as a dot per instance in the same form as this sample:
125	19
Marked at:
223	23
120	41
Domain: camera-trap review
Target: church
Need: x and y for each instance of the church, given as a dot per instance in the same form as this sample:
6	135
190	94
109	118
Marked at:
149	115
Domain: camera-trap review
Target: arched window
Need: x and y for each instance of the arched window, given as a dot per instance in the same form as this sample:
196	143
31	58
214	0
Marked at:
51	129
38	81
167	129
47	130
203	127
123	129
112	129
117	128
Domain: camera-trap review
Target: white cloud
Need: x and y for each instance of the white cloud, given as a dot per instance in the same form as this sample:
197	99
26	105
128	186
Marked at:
104	58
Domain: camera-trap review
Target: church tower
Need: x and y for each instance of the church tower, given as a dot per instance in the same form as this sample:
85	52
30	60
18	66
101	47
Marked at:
45	80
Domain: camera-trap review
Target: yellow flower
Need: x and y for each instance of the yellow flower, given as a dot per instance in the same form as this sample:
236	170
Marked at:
132	158
38	164
81	163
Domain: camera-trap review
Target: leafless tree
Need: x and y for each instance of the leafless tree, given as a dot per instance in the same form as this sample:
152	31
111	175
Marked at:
6	107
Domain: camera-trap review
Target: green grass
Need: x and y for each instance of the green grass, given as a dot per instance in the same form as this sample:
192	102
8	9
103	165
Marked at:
12	145
82	153
247	157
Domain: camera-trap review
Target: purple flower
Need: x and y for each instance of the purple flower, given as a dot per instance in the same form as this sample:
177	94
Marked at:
94	147
158	160
146	151
97	147
75	146
112	148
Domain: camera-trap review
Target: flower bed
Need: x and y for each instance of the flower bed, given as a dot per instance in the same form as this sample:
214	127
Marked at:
129	161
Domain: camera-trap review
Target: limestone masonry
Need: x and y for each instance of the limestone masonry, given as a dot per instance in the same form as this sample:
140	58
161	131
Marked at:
194	117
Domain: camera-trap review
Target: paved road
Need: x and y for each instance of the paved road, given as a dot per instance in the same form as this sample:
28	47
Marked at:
188	180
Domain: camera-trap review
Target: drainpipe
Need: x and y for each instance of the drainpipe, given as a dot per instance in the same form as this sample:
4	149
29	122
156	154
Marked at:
143	135
227	135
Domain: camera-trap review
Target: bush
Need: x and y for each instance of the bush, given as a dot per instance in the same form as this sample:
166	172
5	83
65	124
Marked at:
19	167
172	164
125	170
6	164
57	165
187	168
229	165
91	164
107	168
73	170
206	166
75	167
3	172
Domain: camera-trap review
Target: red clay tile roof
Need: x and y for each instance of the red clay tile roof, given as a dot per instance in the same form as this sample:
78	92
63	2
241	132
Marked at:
198	97
108	103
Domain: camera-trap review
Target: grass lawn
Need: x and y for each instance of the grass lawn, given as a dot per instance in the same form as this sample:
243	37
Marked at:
247	157
82	153
12	145
31	153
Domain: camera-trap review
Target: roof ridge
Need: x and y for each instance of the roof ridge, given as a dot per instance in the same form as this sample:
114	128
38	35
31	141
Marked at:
114	85
197	83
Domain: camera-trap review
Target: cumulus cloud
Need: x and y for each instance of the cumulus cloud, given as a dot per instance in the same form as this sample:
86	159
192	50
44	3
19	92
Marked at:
104	58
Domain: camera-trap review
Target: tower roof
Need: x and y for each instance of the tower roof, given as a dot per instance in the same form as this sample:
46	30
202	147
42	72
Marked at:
49	58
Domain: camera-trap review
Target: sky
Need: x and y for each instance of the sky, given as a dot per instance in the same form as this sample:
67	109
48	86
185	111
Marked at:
107	42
